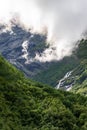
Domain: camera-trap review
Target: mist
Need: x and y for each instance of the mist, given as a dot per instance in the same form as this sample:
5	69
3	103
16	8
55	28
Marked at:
64	20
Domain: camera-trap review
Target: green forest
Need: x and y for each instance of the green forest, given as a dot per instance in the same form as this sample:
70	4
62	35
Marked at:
29	105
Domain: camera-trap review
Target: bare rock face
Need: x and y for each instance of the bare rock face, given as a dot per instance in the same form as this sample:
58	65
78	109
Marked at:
20	47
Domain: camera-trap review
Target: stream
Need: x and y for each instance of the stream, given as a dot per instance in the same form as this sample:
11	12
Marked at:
61	82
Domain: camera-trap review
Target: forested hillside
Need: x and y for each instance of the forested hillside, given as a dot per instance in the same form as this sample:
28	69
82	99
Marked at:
27	105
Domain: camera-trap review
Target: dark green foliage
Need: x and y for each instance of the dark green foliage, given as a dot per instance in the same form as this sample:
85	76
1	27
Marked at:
81	51
26	105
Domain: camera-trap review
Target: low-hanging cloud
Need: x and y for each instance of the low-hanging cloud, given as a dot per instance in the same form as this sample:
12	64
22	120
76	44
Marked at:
65	21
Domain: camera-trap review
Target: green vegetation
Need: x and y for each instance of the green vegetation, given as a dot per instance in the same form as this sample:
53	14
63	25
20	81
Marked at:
56	71
81	51
80	72
77	62
26	105
78	77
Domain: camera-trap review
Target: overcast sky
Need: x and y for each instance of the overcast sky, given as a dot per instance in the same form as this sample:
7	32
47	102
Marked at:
65	21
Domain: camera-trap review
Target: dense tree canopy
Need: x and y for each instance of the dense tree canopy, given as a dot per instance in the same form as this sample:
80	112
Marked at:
27	105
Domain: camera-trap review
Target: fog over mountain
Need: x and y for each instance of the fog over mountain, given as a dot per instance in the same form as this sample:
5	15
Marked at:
63	21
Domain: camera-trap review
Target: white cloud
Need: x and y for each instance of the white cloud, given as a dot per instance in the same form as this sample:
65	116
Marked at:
65	21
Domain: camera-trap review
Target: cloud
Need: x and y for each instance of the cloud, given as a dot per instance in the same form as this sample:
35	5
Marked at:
65	21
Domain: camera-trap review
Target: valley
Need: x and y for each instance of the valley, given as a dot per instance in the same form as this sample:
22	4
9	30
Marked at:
43	65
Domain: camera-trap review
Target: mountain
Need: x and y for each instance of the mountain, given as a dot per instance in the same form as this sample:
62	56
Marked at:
77	79
57	70
27	105
20	47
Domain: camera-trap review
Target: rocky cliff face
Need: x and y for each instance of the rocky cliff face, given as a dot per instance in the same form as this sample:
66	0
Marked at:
20	47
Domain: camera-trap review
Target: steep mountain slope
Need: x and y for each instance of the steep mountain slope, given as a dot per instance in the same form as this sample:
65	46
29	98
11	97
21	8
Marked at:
57	70
77	80
80	78
20	47
26	105
80	73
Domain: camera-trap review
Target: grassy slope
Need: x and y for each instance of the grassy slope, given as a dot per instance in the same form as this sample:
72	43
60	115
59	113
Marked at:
80	72
56	71
26	105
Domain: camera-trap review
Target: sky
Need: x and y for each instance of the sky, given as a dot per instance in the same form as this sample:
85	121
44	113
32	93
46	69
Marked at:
64	20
